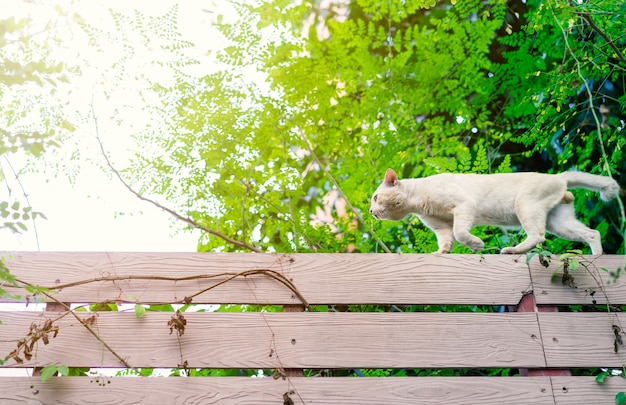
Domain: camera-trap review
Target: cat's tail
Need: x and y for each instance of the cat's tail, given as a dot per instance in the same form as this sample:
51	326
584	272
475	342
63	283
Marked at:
606	186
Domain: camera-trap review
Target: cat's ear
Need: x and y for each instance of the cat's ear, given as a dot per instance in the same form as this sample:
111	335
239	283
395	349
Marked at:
391	178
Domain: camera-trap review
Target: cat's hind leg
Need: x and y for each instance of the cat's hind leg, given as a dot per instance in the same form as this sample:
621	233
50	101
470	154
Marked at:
563	223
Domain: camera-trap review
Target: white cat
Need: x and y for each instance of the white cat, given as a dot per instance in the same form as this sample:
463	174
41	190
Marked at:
451	204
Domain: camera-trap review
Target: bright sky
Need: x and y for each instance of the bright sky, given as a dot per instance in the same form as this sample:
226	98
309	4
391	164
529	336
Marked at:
96	212
85	216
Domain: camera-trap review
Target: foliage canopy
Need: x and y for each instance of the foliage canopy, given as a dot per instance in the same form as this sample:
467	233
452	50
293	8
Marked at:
286	158
31	120
282	142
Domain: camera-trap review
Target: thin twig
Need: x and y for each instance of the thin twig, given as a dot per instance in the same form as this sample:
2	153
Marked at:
19	182
266	272
229	276
85	324
597	29
606	166
613	318
274	349
173	213
332	179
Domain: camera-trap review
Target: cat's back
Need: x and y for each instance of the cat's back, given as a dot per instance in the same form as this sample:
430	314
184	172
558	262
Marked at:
517	178
482	186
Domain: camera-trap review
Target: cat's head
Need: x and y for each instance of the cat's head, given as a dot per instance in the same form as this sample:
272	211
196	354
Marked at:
389	200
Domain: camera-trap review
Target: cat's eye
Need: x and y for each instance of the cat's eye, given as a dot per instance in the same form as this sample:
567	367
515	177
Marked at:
375	198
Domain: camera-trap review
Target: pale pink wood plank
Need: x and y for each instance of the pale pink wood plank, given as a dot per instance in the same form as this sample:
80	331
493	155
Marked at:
321	278
588	277
586	391
527	304
291	340
581	340
260	391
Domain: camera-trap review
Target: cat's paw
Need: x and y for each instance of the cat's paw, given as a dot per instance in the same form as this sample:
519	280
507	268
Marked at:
444	248
508	251
476	246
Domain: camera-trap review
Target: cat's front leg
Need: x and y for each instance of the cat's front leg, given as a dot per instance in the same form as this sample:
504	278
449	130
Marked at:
445	240
532	217
463	222
443	231
444	249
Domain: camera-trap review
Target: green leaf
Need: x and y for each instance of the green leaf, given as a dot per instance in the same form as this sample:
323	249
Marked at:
48	371
620	398
600	378
146	372
78	371
556	277
567	255
164	308
63	370
140	310
103	307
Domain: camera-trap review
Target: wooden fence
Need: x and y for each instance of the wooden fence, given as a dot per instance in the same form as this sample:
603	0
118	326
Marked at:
536	342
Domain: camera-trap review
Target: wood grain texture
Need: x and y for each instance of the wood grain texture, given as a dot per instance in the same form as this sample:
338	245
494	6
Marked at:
296	340
260	391
586	391
290	340
321	278
581	340
588	277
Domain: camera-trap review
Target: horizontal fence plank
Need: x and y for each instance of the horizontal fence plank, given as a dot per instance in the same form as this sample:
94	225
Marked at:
288	340
319	340
592	278
330	391
260	391
585	390
581	340
320	278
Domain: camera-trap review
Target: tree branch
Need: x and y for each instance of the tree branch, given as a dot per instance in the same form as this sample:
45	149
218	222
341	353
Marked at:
597	29
173	213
